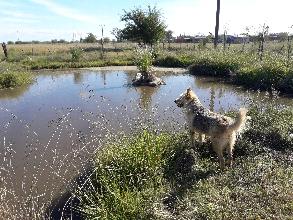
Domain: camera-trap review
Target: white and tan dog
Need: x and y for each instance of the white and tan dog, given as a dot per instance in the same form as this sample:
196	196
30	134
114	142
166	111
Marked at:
221	129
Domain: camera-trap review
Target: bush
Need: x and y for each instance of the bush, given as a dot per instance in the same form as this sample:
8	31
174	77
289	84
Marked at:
75	53
286	84
143	58
13	79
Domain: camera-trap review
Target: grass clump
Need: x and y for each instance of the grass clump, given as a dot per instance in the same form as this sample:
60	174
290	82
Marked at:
265	76
11	79
128	179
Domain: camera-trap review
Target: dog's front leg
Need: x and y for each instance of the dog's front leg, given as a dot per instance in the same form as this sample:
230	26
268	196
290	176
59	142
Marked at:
201	138
192	133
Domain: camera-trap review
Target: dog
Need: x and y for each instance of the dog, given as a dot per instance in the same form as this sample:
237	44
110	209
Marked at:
221	129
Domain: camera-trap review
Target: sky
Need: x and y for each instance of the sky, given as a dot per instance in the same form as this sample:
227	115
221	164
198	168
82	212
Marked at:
28	20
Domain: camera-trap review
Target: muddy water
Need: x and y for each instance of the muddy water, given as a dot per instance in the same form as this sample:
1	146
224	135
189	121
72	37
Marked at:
50	129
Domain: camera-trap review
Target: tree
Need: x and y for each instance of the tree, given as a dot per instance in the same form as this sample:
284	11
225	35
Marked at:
217	24
143	26
169	35
90	38
117	33
106	40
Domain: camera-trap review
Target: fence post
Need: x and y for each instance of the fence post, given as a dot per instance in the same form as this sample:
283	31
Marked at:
5	49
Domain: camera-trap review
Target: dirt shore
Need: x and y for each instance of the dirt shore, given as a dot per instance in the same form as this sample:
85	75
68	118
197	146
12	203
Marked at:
129	68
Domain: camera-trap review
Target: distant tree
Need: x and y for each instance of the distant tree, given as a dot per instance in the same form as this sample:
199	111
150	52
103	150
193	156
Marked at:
143	26
169	35
106	40
282	36
62	41
217	24
10	42
117	33
90	38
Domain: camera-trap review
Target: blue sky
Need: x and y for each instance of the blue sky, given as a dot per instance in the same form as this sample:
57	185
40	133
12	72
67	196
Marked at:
67	19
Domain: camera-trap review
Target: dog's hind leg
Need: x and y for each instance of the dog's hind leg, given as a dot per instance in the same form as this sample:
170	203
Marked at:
230	148
218	146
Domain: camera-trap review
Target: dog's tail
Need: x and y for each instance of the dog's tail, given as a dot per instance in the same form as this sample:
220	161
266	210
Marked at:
239	121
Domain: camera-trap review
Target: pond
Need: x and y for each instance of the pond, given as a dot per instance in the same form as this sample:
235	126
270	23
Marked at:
49	130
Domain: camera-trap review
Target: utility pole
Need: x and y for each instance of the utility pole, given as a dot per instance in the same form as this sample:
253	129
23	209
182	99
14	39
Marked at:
217	24
102	39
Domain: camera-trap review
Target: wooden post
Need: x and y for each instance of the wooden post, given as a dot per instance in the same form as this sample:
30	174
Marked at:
5	50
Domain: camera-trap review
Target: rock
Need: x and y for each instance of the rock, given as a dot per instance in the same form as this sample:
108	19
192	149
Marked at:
147	79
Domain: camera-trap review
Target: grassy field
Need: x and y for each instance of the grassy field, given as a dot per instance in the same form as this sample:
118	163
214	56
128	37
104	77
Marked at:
159	176
241	63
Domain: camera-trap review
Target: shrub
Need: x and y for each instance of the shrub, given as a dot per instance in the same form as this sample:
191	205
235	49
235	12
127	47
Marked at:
286	84
143	58
13	79
75	53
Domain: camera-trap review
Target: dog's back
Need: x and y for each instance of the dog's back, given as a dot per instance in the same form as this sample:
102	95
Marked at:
211	123
208	122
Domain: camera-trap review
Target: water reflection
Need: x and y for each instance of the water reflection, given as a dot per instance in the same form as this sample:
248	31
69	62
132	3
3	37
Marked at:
212	99
146	94
9	94
78	77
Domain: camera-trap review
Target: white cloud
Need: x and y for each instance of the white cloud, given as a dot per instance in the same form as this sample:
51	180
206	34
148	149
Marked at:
66	11
18	20
16	14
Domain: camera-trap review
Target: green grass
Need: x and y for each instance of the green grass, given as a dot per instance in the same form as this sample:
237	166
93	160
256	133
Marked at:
158	176
10	79
44	64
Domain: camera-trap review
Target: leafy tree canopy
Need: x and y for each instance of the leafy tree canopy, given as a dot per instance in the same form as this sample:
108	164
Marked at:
143	26
90	38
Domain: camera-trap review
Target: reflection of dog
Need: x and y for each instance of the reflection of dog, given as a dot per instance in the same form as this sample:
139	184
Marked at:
221	129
